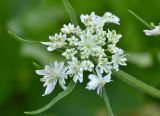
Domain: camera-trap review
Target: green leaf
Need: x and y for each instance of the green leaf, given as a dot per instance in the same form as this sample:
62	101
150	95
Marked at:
140	19
137	83
37	65
55	100
21	39
105	97
71	12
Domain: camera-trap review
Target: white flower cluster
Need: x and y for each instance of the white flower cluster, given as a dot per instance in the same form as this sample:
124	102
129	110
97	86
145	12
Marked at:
91	49
153	32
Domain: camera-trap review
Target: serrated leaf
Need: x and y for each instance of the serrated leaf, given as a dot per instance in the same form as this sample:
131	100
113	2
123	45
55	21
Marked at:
55	100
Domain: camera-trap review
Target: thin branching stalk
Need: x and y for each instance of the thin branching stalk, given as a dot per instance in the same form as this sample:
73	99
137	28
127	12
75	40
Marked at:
37	65
105	97
140	19
72	15
137	83
16	37
55	100
71	12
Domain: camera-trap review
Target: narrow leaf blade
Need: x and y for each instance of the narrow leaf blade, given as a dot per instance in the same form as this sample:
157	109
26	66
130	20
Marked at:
71	11
16	37
105	97
37	65
55	100
140	19
137	83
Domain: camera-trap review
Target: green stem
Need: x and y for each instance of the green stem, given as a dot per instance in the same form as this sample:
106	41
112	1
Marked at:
71	12
140	19
21	39
137	83
37	65
109	110
55	100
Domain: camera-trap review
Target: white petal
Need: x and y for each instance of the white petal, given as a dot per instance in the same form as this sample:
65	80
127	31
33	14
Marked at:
92	85
107	78
47	43
155	31
44	79
50	48
80	79
65	69
99	74
51	37
40	72
50	88
75	78
63	75
62	83
74	59
92	77
61	65
99	91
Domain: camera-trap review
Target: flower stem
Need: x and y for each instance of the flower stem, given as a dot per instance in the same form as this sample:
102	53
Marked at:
140	19
55	100
71	12
21	39
137	83
109	110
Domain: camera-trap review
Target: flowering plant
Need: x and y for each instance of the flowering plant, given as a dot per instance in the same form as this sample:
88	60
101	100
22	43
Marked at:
154	31
91	50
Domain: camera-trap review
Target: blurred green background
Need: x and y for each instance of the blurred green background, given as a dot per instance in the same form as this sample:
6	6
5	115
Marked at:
20	88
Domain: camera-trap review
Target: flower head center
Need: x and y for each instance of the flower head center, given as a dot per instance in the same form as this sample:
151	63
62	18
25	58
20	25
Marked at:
101	82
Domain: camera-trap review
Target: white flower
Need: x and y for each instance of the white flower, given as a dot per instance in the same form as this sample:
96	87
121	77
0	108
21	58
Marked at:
85	54
110	18
68	29
88	20
57	41
98	51
112	48
87	43
87	65
101	37
77	31
69	53
98	82
53	73
153	32
73	41
118	59
75	69
104	65
92	20
88	49
113	37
